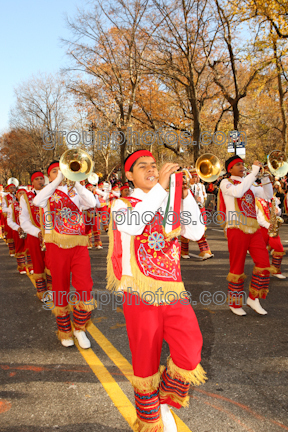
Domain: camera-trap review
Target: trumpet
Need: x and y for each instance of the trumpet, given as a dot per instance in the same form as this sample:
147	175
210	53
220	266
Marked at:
76	165
277	165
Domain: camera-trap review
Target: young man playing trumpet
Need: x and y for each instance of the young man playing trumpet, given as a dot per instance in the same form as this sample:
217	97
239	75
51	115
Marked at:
66	252
237	194
142	257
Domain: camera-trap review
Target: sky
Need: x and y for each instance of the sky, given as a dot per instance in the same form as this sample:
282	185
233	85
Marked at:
30	33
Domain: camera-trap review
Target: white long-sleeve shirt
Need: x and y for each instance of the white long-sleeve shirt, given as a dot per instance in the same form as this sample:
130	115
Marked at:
4	205
155	199
13	225
25	220
83	198
231	191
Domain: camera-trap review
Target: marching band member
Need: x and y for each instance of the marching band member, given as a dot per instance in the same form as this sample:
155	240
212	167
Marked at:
14	223
1	214
66	252
237	194
144	259
8	199
124	191
263	209
199	195
93	230
30	223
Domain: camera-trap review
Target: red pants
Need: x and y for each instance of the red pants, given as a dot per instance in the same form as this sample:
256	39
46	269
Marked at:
238	244
8	232
38	262
37	256
202	243
147	326
276	245
93	232
62	262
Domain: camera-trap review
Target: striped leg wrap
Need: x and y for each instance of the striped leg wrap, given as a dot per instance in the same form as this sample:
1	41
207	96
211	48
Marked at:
236	293
259	285
203	245
11	246
21	263
148	411
174	389
64	326
276	262
49	281
41	287
97	239
184	246
29	262
81	318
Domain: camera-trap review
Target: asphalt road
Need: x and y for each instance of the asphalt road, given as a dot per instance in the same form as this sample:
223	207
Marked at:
45	387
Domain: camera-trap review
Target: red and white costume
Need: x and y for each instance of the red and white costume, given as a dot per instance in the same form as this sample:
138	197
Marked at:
142	259
8	199
238	194
21	249
66	251
263	217
30	223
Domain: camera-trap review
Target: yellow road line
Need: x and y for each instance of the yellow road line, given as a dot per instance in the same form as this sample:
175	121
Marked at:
111	387
123	364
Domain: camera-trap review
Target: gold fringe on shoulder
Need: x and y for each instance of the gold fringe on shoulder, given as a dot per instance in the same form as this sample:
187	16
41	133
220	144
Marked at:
147	384
141	426
112	281
235	278
65	241
195	377
262	210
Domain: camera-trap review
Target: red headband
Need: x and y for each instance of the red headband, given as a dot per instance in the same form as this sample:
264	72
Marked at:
54	165
232	163
21	189
37	174
89	184
124	187
7	187
129	162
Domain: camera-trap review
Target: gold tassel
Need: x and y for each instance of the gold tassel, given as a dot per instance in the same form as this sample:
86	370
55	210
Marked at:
141	426
147	384
64	335
66	241
278	254
258	293
60	310
235	278
195	377
87	306
37	276
259	270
